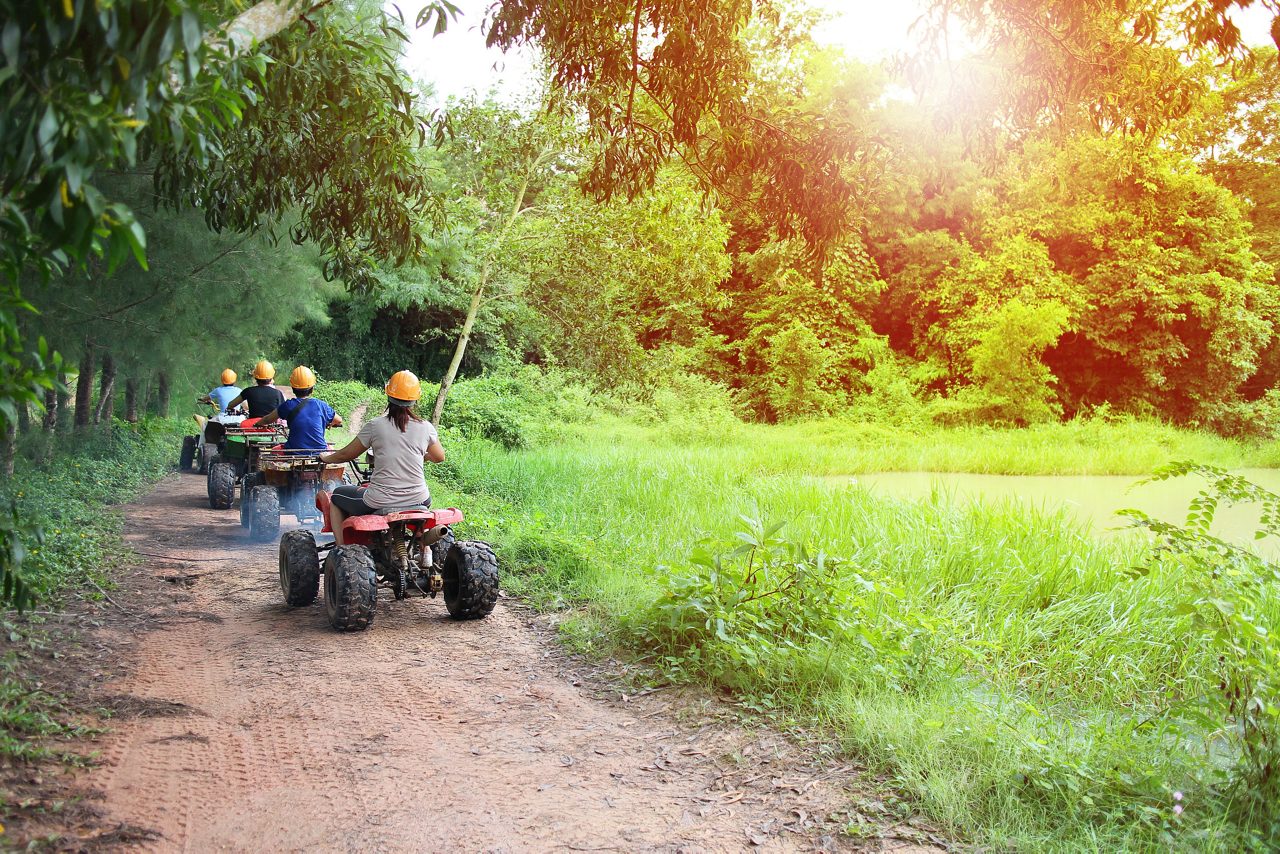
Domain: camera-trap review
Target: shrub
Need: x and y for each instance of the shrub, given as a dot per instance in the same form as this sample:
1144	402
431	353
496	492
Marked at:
693	404
1231	602
1012	386
793	381
346	396
518	407
1255	419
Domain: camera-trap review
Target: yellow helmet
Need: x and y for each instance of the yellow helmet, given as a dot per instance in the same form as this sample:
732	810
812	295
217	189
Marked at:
404	385
228	376
264	370
302	377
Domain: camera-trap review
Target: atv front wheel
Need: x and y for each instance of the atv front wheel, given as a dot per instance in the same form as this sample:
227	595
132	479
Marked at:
188	454
470	580
350	588
207	455
222	485
247	483
299	568
264	518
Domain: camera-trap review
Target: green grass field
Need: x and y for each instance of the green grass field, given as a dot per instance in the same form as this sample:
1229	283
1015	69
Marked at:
1009	671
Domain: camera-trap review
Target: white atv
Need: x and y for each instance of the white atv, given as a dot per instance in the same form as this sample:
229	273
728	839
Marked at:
205	445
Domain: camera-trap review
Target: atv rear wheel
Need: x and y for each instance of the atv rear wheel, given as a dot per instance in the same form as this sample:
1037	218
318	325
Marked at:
188	454
222	485
299	568
350	588
470	580
264	517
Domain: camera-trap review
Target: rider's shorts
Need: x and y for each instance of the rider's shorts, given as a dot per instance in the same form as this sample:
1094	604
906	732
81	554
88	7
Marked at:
349	500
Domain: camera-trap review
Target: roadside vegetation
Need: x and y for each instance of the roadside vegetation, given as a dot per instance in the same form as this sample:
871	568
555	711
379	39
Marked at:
62	518
1026	682
66	485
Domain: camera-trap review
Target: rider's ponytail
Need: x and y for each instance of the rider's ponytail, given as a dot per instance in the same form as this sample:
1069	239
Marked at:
401	413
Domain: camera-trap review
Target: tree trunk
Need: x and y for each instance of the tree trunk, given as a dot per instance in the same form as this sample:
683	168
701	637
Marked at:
9	448
107	391
162	395
24	418
51	400
458	351
478	296
84	389
131	401
64	404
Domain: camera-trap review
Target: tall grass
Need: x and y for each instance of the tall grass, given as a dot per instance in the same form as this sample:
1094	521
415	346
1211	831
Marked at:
1007	669
835	447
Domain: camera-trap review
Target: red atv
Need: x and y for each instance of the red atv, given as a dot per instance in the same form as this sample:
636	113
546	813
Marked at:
407	550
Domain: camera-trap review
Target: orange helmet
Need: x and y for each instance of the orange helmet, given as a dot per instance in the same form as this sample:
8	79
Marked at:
264	370
228	377
302	377
404	385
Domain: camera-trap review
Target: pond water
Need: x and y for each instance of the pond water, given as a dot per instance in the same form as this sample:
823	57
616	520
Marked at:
1093	499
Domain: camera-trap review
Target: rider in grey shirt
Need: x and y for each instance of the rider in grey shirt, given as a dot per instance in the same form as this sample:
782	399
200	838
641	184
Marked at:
400	442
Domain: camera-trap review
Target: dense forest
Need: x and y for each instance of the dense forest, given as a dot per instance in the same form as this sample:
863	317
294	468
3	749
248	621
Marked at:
950	240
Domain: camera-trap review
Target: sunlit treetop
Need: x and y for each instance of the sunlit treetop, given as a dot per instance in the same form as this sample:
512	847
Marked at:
664	80
1110	65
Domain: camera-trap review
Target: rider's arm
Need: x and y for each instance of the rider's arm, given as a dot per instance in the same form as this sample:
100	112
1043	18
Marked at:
270	418
435	452
354	449
336	421
239	399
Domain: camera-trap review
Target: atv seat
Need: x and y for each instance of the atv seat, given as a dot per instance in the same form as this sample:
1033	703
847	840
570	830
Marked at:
409	508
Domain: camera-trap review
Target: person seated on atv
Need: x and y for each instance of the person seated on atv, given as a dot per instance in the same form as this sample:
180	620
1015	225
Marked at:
263	398
223	395
307	416
400	442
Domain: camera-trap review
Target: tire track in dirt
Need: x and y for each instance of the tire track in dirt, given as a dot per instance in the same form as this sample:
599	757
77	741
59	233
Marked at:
421	734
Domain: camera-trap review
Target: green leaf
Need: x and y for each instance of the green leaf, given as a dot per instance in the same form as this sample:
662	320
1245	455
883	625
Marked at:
137	242
48	128
190	31
10	40
73	172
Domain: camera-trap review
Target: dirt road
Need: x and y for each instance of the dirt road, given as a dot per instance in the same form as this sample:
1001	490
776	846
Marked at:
249	726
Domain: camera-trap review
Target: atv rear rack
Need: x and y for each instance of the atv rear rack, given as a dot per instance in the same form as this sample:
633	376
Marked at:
295	459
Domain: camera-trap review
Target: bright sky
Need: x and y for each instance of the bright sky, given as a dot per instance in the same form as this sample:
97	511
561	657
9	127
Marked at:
458	61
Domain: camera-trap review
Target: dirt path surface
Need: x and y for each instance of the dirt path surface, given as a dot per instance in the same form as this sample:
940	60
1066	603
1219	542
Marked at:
248	726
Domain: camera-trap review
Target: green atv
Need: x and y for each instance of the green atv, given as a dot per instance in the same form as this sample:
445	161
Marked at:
238	460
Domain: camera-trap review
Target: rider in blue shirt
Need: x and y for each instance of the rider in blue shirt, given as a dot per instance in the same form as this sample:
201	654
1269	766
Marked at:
307	416
225	393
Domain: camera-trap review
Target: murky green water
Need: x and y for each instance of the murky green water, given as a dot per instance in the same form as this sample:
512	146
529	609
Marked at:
1091	499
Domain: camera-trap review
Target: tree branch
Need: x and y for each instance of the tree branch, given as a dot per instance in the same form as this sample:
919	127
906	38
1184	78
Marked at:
635	61
263	20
